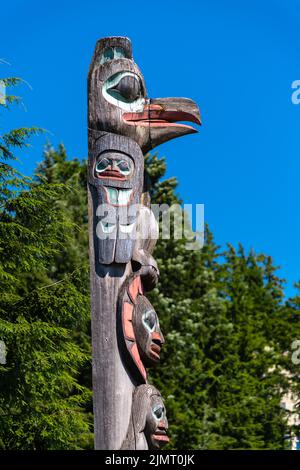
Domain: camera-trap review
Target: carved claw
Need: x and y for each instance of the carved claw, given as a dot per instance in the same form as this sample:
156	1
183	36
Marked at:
149	276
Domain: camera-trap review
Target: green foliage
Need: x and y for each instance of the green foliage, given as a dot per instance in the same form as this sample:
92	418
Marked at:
43	314
226	364
225	324
223	367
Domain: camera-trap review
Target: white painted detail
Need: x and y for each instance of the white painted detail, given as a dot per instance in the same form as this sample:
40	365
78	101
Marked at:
107	227
126	228
134	107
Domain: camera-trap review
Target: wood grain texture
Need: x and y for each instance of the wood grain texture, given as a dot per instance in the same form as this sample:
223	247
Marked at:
146	430
140	337
112	386
118	245
123	124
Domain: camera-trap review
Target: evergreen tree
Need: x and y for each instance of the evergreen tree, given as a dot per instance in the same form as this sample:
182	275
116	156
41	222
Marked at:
226	363
251	384
221	368
41	312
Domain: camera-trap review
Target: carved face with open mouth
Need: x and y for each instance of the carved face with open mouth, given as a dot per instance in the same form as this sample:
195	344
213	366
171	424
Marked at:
113	167
140	326
156	422
148	426
122	105
116	174
148	332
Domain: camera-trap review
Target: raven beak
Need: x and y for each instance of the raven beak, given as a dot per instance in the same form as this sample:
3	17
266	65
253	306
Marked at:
161	115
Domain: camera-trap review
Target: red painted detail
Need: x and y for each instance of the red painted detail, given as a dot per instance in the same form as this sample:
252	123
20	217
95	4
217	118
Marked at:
156	335
155	352
161	426
136	357
157	123
156	116
161	437
111	174
134	288
127	321
155	346
161	432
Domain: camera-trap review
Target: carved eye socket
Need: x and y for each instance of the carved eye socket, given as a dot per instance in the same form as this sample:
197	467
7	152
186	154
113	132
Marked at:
102	165
111	53
125	90
107	55
124	167
158	412
128	89
119	53
149	319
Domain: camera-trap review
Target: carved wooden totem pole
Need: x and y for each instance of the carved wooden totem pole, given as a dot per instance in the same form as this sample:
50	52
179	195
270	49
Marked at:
123	124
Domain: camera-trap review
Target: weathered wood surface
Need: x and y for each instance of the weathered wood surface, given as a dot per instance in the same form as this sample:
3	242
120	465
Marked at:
148	424
140	336
110	267
123	124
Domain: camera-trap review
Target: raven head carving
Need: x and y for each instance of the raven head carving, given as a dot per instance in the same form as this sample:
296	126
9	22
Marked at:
118	101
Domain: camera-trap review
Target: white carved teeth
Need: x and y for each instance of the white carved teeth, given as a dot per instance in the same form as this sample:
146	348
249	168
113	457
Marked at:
124	196
118	197
112	195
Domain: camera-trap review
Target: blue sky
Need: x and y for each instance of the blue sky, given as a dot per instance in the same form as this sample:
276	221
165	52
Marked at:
236	59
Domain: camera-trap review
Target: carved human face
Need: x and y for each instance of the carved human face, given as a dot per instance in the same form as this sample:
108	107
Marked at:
156	422
116	88
147	331
118	101
113	168
116	167
140	328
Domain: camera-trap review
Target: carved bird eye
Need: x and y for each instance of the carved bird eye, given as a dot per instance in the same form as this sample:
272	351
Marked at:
158	412
128	89
102	165
125	90
124	167
149	319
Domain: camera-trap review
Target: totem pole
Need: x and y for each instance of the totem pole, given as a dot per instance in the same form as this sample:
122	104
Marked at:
123	124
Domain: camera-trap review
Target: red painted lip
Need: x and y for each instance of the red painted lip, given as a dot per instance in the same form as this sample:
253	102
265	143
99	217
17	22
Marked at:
155	348
111	174
161	435
155	115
